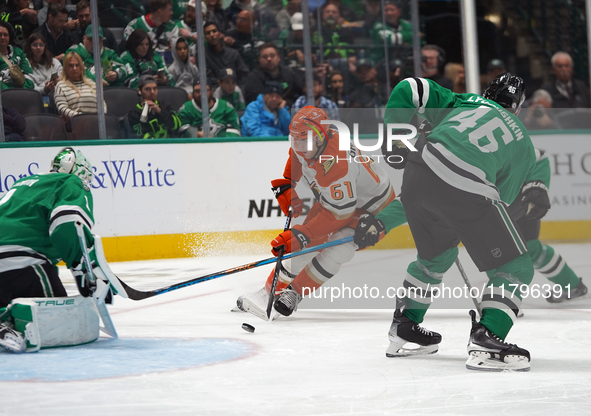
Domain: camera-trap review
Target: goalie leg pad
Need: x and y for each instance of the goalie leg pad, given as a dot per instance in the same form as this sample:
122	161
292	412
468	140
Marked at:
56	322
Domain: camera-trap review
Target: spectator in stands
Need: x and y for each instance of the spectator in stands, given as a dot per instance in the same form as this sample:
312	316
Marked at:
216	13
539	115
157	24
396	32
223	120
13	57
140	59
369	94
337	88
284	16
241	38
267	116
228	90
185	74
187	27
14	125
75	93
46	69
432	62
295	54
566	91
271	69
396	74
456	73
334	35
264	15
218	56
57	37
43	13
83	17
113	68
332	110
18	14
494	68
152	119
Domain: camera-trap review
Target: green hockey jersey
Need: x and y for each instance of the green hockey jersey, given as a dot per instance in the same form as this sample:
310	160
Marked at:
161	36
110	61
37	217
476	145
223	120
17	57
137	67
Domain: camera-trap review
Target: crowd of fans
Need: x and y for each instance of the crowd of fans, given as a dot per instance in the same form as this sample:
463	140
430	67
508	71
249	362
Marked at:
254	62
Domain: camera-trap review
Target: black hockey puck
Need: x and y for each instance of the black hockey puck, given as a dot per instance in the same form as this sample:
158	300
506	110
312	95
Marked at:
248	327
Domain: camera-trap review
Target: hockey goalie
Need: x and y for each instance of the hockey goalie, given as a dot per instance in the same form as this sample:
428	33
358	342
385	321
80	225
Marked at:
46	218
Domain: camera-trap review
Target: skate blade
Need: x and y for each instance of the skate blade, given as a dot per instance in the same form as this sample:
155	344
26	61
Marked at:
246	305
397	349
481	361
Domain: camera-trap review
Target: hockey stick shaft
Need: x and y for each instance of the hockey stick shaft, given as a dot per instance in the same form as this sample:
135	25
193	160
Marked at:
277	267
139	295
468	285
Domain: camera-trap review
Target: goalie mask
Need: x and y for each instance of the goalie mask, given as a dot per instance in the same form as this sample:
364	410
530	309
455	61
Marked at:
73	161
305	124
507	90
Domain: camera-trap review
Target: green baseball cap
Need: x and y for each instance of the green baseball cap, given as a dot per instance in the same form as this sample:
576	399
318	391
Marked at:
88	31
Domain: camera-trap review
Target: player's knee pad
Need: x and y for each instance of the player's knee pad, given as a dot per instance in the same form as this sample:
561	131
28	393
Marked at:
537	253
332	258
55	322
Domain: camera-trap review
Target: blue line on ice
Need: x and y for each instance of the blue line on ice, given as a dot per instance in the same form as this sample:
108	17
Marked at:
122	357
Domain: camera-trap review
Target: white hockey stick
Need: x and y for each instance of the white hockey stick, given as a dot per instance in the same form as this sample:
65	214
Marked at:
99	293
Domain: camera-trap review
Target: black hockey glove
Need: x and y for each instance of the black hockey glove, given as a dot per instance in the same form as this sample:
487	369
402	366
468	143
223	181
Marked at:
535	200
369	231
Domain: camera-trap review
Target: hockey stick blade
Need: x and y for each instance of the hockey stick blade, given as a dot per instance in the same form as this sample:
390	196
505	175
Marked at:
135	294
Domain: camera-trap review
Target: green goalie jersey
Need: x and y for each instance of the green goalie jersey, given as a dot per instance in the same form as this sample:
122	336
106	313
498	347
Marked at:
476	145
37	217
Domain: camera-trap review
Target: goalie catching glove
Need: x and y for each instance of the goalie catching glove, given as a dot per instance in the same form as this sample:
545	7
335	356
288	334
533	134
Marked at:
535	200
292	240
369	231
286	196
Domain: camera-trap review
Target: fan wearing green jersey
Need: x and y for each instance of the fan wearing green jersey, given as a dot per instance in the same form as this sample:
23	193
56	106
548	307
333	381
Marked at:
38	218
457	188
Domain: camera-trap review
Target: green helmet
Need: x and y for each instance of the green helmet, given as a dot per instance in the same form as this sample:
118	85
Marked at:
73	161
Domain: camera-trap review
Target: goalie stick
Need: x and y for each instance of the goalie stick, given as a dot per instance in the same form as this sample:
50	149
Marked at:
277	268
134	294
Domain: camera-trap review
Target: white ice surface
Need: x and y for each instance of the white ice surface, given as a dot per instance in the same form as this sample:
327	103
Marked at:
317	362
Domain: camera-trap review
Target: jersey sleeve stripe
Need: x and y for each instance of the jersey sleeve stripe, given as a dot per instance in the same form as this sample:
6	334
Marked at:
69	210
455	176
420	92
65	217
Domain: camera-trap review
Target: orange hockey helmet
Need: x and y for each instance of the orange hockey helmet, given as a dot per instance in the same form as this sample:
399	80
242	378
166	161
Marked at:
307	120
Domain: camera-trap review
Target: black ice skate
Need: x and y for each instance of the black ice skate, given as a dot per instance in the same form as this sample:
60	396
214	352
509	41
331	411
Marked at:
576	292
404	330
287	302
12	340
487	352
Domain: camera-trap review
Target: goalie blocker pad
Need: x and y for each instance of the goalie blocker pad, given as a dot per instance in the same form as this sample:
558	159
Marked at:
55	322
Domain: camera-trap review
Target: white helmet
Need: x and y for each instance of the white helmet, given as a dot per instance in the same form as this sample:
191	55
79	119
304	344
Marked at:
73	161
